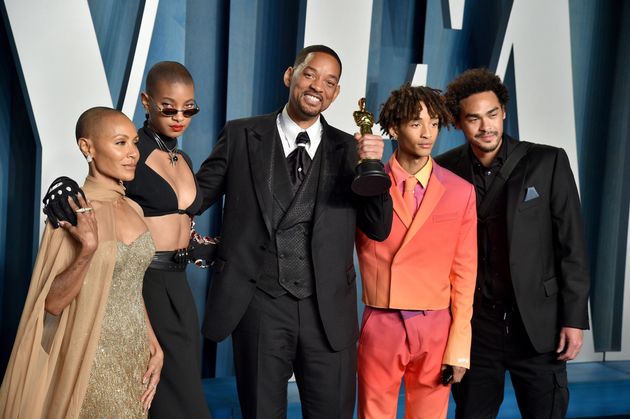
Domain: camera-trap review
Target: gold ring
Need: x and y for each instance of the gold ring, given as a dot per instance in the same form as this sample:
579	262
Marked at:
82	210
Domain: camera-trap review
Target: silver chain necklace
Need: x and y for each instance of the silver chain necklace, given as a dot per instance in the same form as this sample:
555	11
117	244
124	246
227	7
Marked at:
172	152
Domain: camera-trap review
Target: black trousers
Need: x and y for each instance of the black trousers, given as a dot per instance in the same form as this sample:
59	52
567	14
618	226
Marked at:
281	336
173	315
499	344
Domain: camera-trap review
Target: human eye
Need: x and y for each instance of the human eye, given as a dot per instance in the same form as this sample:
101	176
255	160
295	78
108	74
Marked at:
123	139
166	105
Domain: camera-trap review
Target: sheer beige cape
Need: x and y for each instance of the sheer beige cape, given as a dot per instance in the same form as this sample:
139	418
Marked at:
50	364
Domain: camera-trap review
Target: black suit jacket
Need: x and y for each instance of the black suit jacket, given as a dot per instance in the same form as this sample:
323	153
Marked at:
548	259
239	168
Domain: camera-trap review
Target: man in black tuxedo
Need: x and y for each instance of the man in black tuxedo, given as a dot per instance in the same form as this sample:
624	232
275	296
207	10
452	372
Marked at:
284	278
533	279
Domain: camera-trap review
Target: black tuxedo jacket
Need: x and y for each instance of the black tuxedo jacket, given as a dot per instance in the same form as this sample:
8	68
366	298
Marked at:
548	259
240	169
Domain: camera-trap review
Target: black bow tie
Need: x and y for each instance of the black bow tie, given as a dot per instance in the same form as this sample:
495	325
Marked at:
298	160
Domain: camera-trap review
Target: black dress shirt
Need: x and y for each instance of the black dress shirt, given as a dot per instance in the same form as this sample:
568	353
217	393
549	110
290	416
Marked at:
493	272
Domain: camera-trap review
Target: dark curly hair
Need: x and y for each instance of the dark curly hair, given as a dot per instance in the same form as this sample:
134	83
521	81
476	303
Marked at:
403	105
476	80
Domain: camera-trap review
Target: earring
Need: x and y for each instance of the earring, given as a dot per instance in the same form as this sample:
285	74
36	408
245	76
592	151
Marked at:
88	158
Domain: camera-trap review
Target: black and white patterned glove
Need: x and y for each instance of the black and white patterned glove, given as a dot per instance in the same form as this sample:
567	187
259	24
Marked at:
55	201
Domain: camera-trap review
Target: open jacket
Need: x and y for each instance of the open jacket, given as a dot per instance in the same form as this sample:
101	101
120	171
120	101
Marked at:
240	168
428	262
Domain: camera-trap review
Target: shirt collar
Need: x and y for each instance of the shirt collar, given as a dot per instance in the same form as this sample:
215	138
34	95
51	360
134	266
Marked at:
499	159
290	129
400	174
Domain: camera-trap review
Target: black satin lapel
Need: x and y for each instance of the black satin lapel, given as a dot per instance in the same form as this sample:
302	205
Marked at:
333	153
260	146
515	193
283	188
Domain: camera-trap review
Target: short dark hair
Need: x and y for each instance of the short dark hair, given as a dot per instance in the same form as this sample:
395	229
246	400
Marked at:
89	121
170	72
403	105
470	82
301	57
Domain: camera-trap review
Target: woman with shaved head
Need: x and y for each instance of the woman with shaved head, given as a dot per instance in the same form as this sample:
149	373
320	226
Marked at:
85	346
167	192
166	189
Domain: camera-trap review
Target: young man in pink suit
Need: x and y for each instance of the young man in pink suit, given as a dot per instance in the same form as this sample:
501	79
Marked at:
418	285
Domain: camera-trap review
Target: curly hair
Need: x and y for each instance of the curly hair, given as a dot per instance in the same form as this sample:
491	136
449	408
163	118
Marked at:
476	80
404	105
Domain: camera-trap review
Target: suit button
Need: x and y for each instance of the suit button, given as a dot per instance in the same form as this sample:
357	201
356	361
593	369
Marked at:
296	283
301	257
252	280
263	247
281	255
279	232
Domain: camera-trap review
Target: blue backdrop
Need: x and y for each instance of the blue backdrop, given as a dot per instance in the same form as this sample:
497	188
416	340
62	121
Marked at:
237	52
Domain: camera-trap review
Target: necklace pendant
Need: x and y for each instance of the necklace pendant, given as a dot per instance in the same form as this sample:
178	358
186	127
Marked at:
172	152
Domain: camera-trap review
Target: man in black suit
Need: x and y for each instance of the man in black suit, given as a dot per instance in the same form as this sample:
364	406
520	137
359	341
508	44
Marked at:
284	278
533	280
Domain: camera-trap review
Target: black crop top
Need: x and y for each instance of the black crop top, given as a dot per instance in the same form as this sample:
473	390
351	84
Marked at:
150	190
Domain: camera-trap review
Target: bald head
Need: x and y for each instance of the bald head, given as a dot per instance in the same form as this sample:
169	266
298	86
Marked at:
167	72
91	122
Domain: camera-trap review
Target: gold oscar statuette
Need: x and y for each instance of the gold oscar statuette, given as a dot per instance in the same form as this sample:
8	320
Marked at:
371	178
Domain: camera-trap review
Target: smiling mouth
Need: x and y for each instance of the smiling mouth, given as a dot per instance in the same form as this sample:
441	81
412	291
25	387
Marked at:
312	98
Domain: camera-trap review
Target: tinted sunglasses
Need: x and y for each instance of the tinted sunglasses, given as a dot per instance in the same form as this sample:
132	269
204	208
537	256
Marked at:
170	112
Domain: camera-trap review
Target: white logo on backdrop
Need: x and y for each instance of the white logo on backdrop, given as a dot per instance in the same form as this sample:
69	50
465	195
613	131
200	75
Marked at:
64	74
63	70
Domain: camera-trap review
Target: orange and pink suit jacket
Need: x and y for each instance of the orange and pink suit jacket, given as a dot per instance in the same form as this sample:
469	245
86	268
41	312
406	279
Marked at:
428	262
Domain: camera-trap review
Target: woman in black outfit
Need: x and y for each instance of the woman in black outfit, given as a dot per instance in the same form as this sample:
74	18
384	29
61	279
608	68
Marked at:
166	189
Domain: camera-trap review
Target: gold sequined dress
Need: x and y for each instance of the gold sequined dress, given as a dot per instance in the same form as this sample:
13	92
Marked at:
122	354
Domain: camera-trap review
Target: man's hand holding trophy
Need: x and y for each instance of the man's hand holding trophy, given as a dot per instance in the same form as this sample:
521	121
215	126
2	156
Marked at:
371	179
